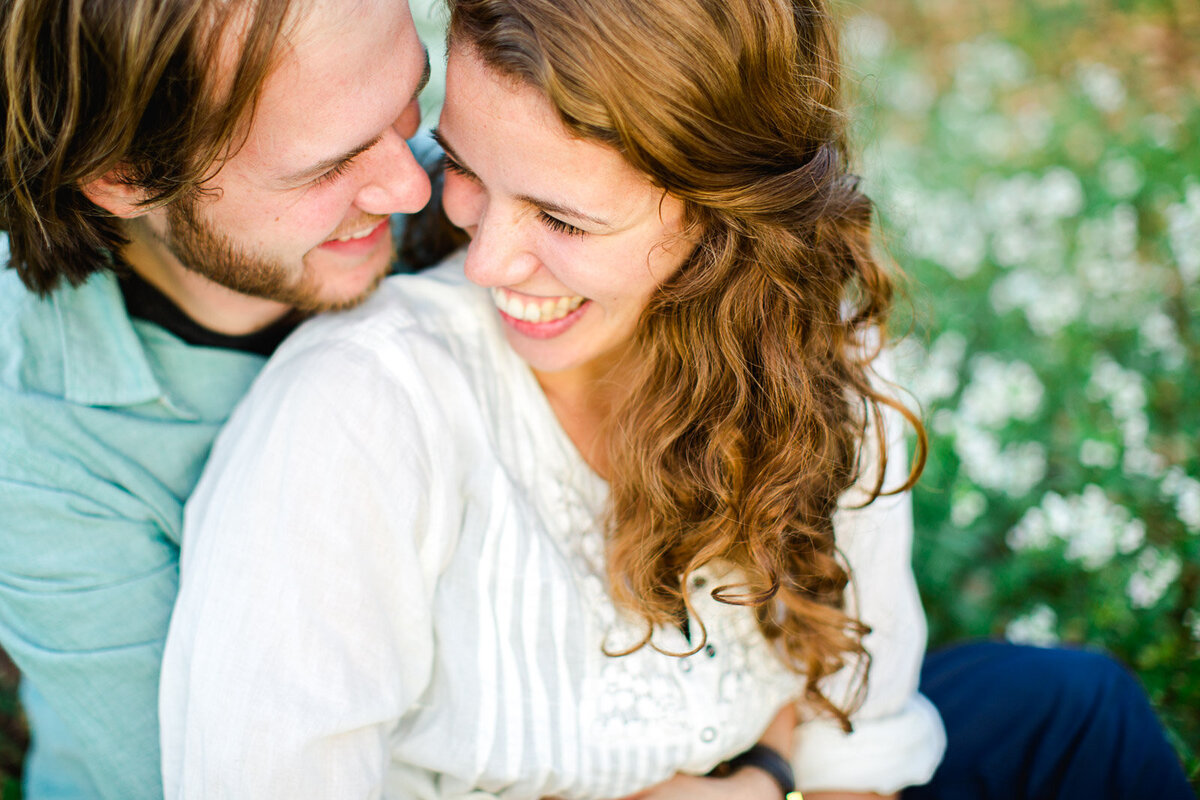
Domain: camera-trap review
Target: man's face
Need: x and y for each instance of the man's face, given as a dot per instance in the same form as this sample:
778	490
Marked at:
299	214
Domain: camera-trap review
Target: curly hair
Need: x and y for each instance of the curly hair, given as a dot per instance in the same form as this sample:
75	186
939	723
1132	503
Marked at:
752	364
130	85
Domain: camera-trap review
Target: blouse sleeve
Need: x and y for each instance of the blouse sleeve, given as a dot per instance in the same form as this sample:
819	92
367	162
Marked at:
312	546
898	739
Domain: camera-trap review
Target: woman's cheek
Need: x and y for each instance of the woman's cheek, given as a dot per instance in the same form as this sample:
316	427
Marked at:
462	201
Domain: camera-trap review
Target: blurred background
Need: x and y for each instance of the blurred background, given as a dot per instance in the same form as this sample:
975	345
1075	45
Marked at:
1037	172
1036	165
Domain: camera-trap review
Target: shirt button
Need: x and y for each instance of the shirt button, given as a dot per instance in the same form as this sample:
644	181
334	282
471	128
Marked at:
710	651
708	735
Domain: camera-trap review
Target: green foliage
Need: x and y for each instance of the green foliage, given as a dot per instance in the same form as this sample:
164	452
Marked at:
1042	192
12	732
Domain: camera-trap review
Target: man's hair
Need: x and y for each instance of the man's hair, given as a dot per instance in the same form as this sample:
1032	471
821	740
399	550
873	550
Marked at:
147	88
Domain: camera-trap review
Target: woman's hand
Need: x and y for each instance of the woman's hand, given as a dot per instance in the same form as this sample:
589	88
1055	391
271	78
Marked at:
745	784
748	783
751	784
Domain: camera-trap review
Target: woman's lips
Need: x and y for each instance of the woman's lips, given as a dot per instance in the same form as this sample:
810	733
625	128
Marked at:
539	317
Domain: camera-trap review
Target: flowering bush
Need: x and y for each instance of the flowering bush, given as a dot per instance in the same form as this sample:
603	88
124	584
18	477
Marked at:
1038	177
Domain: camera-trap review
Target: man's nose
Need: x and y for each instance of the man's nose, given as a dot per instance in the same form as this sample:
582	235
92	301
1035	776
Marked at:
396	183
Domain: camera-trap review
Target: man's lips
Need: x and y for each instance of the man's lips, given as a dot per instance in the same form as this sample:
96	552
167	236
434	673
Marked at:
359	242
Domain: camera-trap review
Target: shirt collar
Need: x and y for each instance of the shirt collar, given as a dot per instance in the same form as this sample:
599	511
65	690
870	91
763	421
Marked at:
104	360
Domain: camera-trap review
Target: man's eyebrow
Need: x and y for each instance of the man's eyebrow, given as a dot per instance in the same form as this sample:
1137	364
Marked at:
549	206
321	167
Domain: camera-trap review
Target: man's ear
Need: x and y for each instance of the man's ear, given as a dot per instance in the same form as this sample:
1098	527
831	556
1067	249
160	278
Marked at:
116	195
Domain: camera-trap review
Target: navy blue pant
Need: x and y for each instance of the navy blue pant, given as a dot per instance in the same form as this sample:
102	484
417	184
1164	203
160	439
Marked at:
1029	723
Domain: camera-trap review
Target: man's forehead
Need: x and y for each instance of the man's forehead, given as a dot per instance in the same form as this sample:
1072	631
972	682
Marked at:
340	80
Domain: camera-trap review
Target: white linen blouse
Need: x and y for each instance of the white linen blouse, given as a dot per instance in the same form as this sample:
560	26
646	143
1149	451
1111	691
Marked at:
392	586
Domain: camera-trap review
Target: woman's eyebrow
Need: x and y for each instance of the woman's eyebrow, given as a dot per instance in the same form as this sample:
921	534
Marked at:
440	138
549	206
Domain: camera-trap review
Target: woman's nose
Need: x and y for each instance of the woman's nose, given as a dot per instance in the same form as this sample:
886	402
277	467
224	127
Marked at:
499	253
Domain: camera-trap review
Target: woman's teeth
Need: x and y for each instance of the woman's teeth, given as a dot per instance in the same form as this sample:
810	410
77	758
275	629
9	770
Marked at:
534	309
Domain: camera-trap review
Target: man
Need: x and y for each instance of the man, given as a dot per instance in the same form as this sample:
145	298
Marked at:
183	180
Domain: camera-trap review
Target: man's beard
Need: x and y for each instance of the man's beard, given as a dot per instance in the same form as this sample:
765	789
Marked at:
204	251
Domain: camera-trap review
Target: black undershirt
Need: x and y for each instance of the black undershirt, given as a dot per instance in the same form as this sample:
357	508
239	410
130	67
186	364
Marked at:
145	302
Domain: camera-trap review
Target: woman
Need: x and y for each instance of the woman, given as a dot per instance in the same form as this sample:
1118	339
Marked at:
570	530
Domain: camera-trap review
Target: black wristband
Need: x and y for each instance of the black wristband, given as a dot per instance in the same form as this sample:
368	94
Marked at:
772	762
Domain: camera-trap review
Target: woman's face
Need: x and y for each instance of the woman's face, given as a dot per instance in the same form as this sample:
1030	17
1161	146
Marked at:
569	237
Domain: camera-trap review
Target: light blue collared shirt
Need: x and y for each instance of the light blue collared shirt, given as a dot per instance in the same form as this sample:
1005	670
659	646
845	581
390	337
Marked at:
105	424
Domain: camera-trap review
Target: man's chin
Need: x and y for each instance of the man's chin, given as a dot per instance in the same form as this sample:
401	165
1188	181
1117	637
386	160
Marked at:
317	301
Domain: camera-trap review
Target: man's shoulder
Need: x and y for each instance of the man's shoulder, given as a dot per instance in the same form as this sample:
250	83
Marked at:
40	334
29	329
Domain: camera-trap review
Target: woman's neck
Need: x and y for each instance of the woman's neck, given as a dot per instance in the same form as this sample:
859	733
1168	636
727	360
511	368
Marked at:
582	399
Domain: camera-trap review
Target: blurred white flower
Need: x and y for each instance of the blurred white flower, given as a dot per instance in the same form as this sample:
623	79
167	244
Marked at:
1161	129
1140	460
986	63
1125	394
1157	334
1191	618
1106	260
1060	194
1183	232
866	38
1049	302
947	233
1038	627
1123	389
1094	453
1187	507
933	375
1025	213
967	508
1093	528
1013	469
1034	125
1121	176
909	91
1155	573
1006	202
1184	490
1000	391
1102	85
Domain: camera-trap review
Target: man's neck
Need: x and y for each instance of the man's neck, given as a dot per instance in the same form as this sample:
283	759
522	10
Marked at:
209	304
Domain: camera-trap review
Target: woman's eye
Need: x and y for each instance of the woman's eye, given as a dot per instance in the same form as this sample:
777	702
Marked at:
558	225
453	166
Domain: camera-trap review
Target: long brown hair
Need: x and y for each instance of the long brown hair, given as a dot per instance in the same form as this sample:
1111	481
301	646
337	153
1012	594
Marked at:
752	363
125	84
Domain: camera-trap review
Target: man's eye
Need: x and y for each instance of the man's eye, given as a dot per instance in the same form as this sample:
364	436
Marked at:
333	174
